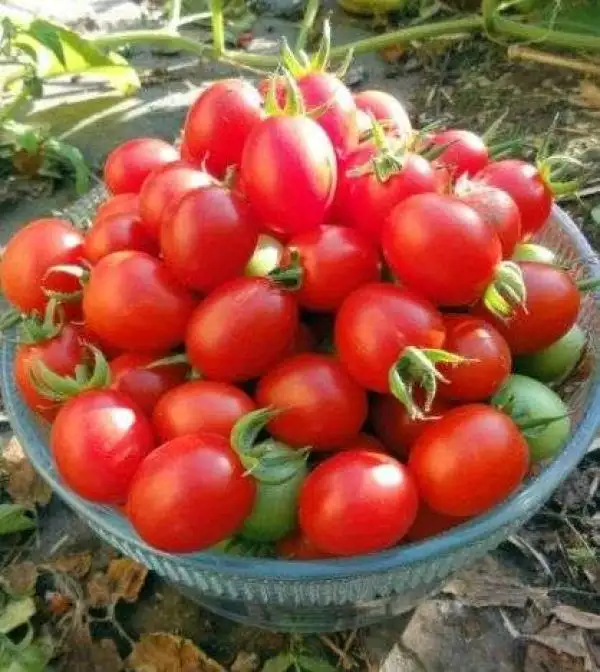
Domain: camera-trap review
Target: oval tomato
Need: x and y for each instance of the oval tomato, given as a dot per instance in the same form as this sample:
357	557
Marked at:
469	461
121	204
241	329
129	164
98	440
132	302
386	109
206	494
200	406
337	521
113	233
465	153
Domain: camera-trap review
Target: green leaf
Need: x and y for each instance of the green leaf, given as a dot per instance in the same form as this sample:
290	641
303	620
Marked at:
314	664
595	214
16	613
26	656
70	156
34	86
15	518
279	663
47	34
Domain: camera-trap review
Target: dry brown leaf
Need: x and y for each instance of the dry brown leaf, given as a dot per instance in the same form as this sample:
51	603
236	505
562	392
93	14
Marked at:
127	578
161	652
24	486
77	565
245	662
82	654
577	618
98	591
589	94
556	647
20	579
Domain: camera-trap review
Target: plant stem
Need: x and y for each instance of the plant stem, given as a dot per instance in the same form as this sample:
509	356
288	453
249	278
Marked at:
218	30
251	60
154	37
312	9
174	14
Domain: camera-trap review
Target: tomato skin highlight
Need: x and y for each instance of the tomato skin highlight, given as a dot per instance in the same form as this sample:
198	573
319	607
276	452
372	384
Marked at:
291	156
99	439
466	152
132	302
210	238
113	233
376	323
29	254
469	461
200	406
219	123
240	330
321	405
189	494
338	522
441	248
386	109
129	164
335	261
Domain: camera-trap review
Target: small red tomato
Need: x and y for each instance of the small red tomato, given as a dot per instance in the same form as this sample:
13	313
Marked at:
190	494
99	439
386	109
337	521
121	204
200	406
430	523
297	547
113	233
129	164
469	461
132	375
466	152
321	406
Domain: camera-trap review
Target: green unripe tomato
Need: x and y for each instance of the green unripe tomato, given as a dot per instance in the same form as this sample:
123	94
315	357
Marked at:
534	252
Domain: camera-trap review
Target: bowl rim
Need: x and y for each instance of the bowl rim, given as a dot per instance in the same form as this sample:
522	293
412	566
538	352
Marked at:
528	498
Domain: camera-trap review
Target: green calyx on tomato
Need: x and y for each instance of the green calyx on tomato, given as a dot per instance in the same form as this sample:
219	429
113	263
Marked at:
389	158
417	366
534	252
36	329
506	291
291	275
553	169
244	548
294	103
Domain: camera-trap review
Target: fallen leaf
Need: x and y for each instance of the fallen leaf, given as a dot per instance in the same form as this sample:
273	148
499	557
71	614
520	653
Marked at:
24	486
161	652
20	579
392	54
98	591
77	565
589	93
556	647
126	578
279	663
16	613
82	654
577	618
245	662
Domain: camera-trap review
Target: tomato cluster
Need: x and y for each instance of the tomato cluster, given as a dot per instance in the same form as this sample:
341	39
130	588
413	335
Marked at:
300	328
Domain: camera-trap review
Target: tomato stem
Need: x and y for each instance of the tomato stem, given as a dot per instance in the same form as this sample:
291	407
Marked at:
308	20
291	275
506	292
36	329
218	30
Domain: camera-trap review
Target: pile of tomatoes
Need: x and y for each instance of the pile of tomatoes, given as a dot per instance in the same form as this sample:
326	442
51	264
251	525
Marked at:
300	327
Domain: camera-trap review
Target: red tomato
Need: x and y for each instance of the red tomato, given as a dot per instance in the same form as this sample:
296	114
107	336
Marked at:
98	440
210	239
113	233
364	199
30	253
219	123
321	405
386	109
61	354
365	442
200	406
441	247
430	523
132	302
241	329
88	337
289	172
121	204
550	310
335	261
393	425
524	184
128	165
488	358
132	376
297	547
163	190
466	153
374	326
469	461
190	494
337	521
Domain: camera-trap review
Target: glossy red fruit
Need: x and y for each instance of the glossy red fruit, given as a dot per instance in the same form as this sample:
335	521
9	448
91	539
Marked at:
465	153
385	109
120	204
365	442
430	523
113	233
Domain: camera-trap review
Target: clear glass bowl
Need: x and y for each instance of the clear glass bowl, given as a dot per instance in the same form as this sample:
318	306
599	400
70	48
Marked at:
338	594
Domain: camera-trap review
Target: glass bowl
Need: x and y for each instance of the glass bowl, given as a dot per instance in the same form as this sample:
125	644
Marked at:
331	595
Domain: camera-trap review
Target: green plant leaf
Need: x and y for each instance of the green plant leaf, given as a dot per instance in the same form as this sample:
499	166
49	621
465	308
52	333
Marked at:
15	518
279	663
34	86
595	214
70	156
15	614
47	34
26	656
314	664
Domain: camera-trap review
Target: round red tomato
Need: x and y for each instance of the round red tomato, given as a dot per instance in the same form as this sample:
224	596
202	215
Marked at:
132	302
442	248
321	406
190	494
30	253
337	521
218	124
297	547
121	204
129	164
430	523
465	153
210	238
132	375
335	261
113	233
98	440
200	406
488	360
469	461
241	330
386	109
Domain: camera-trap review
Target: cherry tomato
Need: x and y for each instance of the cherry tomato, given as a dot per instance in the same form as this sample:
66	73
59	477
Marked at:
210	238
321	406
385	109
189	494
430	523
133	376
99	439
469	461
121	204
113	233
219	123
200	406
335	261
465	153
297	547
241	329
442	248
132	302
29	254
337	521
128	165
